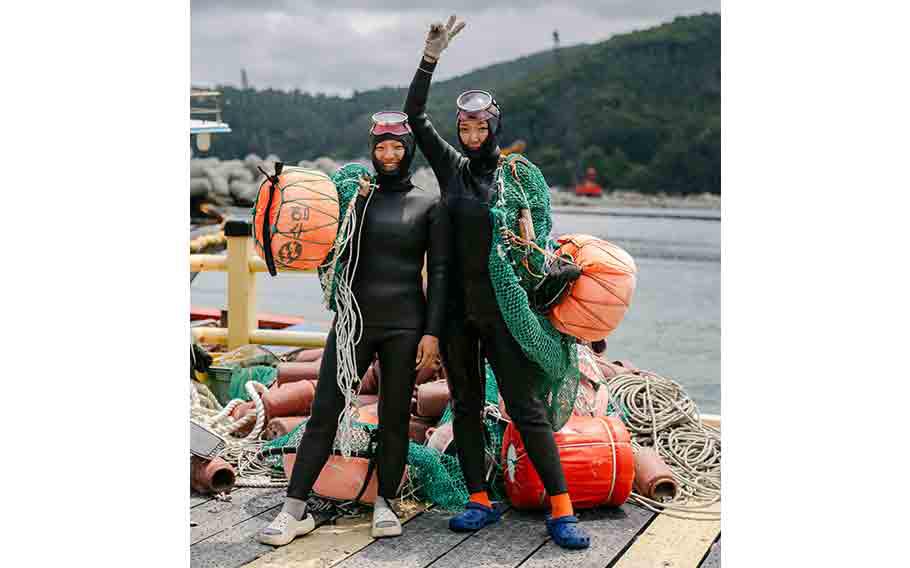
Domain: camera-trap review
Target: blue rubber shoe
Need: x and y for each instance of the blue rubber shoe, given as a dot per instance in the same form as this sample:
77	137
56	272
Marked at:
566	532
474	517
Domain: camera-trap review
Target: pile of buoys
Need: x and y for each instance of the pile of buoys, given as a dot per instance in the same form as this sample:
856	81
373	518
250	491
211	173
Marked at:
596	302
290	399
342	479
608	448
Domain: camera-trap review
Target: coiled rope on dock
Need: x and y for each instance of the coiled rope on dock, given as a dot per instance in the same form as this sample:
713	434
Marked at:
242	453
659	414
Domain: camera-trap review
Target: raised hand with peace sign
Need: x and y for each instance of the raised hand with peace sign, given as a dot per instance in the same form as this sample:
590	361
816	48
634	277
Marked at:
439	36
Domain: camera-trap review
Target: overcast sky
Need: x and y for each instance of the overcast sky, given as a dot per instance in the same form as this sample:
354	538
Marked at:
338	46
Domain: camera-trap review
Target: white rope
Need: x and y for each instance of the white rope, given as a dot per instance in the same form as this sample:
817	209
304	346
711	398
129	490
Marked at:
341	241
603	421
242	453
689	513
659	414
348	332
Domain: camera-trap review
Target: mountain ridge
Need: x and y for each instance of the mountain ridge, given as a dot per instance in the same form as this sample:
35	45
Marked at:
643	108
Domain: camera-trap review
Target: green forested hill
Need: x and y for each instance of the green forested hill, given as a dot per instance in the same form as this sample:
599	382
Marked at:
643	108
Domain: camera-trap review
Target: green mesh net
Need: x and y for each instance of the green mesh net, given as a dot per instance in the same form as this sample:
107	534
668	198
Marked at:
347	183
554	353
436	476
441	473
241	375
292	440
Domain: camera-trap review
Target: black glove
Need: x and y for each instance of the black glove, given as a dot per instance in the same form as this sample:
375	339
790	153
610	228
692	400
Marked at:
554	284
200	359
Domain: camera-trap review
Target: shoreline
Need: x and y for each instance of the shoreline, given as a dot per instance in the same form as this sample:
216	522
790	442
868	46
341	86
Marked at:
690	214
233	184
623	199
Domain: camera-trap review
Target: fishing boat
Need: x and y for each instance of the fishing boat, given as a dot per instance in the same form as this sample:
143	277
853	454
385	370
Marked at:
223	528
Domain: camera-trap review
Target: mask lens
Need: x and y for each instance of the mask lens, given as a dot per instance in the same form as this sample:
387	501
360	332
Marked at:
389	117
390	122
474	101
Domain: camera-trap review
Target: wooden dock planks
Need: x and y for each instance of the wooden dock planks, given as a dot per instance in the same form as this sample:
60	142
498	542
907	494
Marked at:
612	530
622	537
225	531
330	544
669	542
502	545
217	516
198	499
425	538
235	546
713	558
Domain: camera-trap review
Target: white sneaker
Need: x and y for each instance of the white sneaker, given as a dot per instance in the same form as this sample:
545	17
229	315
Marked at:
385	523
286	528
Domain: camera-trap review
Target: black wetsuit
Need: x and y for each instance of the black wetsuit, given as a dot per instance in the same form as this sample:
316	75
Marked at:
474	324
401	223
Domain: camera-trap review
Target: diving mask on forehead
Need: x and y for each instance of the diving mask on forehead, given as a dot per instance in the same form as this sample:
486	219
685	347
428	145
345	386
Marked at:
476	105
390	122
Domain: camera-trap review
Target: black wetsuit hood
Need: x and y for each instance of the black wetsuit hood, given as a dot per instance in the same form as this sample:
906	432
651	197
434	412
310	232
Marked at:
401	178
485	158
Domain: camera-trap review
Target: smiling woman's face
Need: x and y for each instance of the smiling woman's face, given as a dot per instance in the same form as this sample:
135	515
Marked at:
473	133
389	153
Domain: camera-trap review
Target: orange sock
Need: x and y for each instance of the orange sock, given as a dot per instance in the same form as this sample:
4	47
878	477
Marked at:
561	506
482	498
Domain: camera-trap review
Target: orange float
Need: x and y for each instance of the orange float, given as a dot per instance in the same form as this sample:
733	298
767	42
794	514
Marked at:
596	302
342	478
290	399
596	455
295	219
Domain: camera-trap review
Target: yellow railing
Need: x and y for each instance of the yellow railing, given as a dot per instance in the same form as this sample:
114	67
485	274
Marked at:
241	265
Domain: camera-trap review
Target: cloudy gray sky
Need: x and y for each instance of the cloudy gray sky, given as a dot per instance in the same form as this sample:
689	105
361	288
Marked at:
338	46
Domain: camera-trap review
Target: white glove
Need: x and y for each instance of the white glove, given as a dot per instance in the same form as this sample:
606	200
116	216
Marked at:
366	186
439	36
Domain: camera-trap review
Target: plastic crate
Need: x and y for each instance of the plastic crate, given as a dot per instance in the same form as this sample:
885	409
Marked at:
219	382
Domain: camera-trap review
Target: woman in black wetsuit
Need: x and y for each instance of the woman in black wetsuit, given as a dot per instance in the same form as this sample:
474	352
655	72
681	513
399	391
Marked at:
475	326
401	223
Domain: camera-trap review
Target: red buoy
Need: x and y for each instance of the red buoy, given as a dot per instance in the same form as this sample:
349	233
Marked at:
596	455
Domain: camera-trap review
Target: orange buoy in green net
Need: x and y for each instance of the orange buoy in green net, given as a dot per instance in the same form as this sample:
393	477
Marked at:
296	218
596	302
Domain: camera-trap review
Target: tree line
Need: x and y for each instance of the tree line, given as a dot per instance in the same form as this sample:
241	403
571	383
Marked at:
642	108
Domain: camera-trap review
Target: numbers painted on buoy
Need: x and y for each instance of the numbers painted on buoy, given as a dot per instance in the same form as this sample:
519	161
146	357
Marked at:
289	252
300	213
